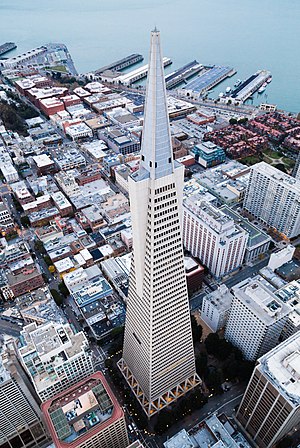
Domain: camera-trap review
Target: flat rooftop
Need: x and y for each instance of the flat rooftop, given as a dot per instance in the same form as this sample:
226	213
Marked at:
282	368
81	411
259	298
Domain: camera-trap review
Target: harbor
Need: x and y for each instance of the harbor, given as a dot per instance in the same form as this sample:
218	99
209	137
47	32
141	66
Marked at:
255	82
139	73
121	64
183	74
208	78
5	48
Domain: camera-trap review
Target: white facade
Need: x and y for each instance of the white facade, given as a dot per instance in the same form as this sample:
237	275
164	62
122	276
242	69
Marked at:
158	356
278	259
20	416
54	357
274	198
215	308
270	407
257	318
10	173
213	237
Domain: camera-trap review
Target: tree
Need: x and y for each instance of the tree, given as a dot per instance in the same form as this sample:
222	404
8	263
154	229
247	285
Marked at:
39	247
214	380
201	365
212	343
232	121
197	330
286	442
25	221
63	289
58	299
47	260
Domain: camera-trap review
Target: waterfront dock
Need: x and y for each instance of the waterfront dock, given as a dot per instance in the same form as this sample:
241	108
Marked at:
5	48
135	75
183	74
128	61
209	78
250	86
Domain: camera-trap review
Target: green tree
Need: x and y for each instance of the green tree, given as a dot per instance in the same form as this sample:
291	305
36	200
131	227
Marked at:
212	343
39	247
25	221
232	121
47	260
197	330
58	298
63	289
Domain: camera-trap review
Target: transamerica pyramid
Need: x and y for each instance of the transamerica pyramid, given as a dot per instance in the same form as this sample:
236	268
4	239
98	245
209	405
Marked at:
158	355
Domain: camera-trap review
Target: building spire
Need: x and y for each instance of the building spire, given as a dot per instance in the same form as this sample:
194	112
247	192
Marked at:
156	152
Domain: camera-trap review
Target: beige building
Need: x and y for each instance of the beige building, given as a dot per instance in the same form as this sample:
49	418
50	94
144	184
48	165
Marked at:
86	415
158	355
270	407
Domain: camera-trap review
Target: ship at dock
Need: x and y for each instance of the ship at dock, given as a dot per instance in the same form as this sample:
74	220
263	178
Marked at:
5	48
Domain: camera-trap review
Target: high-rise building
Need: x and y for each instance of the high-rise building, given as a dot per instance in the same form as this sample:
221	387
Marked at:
215	308
270	407
296	169
21	422
158	356
213	237
54	357
274	197
87	415
256	318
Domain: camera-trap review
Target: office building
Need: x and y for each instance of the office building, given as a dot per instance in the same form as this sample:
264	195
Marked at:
215	308
86	415
54	357
20	417
274	197
256	319
158	356
208	154
213	237
270	407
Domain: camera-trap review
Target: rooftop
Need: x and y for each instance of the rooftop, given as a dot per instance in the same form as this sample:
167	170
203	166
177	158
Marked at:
81	411
44	348
282	368
259	298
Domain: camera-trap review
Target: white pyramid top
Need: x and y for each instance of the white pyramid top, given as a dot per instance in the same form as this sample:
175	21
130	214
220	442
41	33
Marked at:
156	152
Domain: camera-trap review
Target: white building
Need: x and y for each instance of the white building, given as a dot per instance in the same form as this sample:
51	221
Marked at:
270	407
54	357
213	237
77	131
215	308
10	173
20	416
274	197
158	356
278	259
257	318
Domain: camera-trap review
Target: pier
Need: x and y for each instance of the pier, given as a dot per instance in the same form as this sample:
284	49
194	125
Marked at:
128	61
183	74
135	75
8	46
249	86
211	76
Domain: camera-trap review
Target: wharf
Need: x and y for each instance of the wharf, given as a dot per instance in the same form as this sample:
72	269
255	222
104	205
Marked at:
135	75
128	61
182	74
249	86
209	78
8	46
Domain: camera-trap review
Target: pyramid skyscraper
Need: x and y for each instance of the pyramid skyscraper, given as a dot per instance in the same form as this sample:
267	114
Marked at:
158	355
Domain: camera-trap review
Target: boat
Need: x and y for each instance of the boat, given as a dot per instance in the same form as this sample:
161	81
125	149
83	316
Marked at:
228	89
221	95
237	83
261	89
269	80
